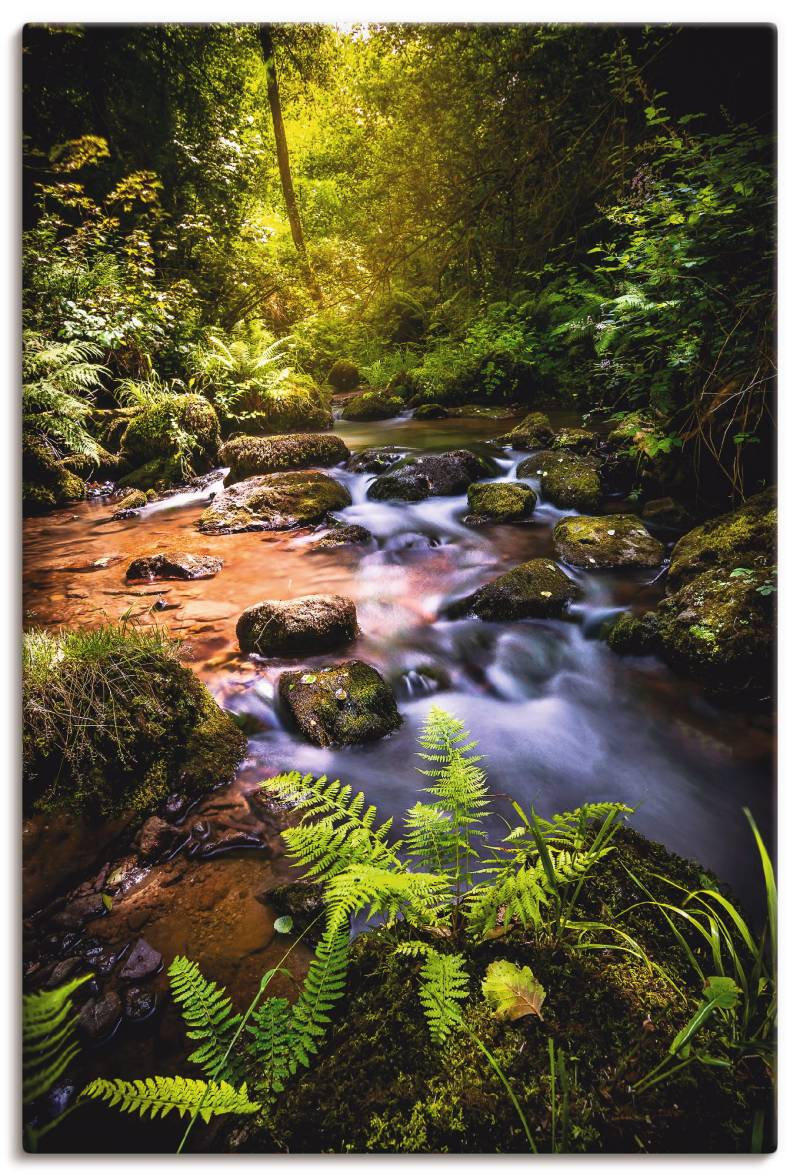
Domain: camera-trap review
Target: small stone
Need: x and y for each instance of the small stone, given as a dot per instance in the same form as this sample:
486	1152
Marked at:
142	962
80	911
156	837
65	970
140	1003
173	565
100	1017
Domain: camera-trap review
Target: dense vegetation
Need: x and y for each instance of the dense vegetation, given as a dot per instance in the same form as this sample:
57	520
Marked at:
462	213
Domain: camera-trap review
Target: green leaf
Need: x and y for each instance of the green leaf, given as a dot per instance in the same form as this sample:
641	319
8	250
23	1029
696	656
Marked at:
514	992
283	925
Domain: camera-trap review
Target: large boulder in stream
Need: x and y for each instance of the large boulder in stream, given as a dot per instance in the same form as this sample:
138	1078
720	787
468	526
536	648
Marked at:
173	565
340	704
538	588
247	456
433	474
567	480
499	502
533	432
305	624
372	406
274	502
574	440
375	460
606	541
745	537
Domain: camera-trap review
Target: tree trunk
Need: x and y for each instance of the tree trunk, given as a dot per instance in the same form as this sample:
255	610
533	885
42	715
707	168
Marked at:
290	199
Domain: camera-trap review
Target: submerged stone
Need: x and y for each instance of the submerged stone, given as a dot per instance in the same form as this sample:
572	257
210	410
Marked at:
247	456
340	704
274	502
433	474
499	502
538	588
606	541
173	565
567	480
306	624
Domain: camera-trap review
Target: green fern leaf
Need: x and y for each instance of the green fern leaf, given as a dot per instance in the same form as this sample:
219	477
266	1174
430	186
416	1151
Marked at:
48	1038
208	1013
514	992
271	1046
159	1096
444	985
324	985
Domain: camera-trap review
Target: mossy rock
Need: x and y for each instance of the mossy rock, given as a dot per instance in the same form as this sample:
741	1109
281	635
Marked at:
341	704
416	478
375	460
533	432
162	473
344	375
274	502
109	424
380	1085
499	502
150	437
568	481
155	728
574	440
665	514
404	384
372	406
719	628
343	535
538	588
431	412
606	541
268	455
46	481
631	430
304	624
745	537
295	407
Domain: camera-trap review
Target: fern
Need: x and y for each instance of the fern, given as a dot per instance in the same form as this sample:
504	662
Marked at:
336	830
323	986
206	1008
48	1038
444	986
271	1042
59	379
517	894
159	1096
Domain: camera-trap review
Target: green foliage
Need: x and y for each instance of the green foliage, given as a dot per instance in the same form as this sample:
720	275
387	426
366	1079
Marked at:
444	986
270	1048
158	1096
58	383
49	1042
207	1011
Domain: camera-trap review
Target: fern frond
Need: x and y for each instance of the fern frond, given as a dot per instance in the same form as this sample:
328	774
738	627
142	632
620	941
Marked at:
271	1046
336	829
48	1038
444	985
208	1013
518	894
324	985
158	1096
374	891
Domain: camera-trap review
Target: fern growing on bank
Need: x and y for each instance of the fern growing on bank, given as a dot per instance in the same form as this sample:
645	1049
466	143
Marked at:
158	1097
49	1042
208	1013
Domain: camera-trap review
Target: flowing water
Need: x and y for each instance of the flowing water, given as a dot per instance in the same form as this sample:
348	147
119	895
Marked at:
560	719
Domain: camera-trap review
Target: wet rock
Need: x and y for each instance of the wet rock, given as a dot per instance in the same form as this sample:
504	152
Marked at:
745	537
274	502
343	375
538	588
125	513
149	445
247	456
340	704
101	959
533	432
665	514
80	911
375	461
225	841
719	628
606	541
143	961
306	624
303	901
139	1004
201	831
60	1097
176	806
157	838
343	535
499	502
66	970
434	474
430	412
372	406
567	480
575	440
99	1017
131	503
174	565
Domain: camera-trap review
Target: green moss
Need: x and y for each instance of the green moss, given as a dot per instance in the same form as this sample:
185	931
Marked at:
47	481
266	455
114	722
501	501
155	435
533	432
158	474
575	440
537	588
568	481
745	537
430	412
341	704
606	541
630	635
372	406
274	502
344	375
